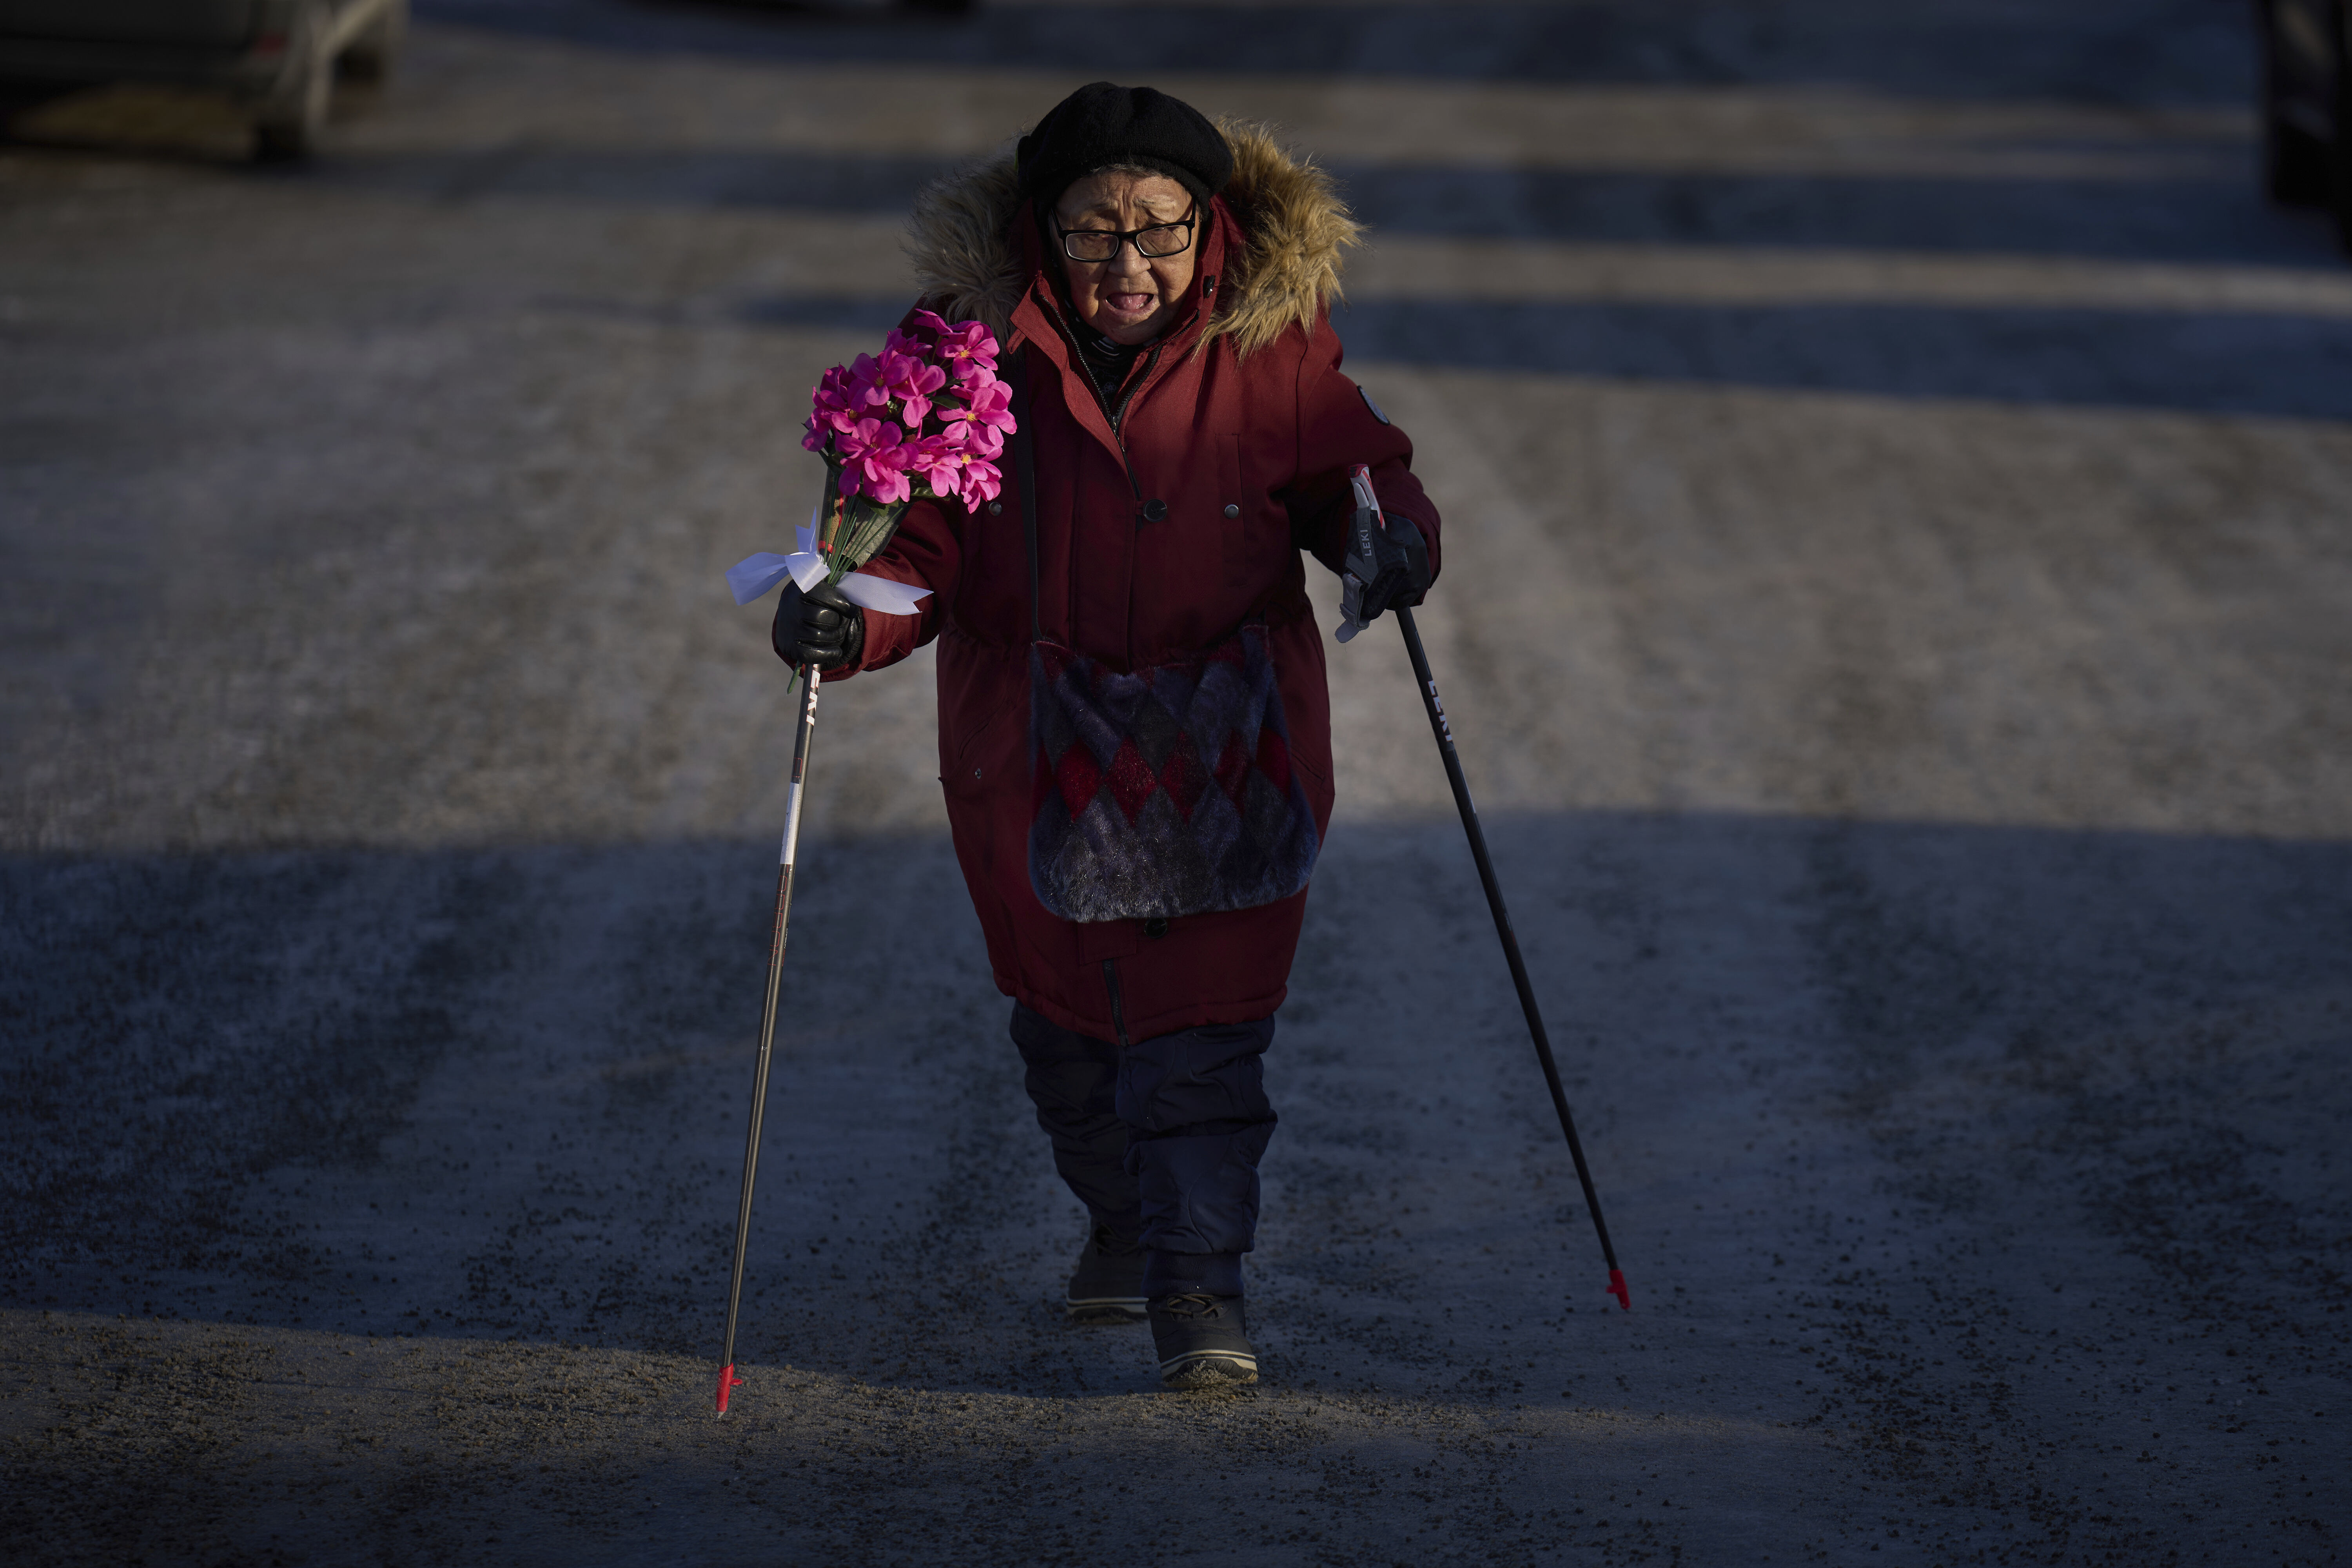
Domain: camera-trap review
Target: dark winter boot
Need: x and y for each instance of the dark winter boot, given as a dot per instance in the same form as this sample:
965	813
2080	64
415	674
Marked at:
1108	1287
1203	1341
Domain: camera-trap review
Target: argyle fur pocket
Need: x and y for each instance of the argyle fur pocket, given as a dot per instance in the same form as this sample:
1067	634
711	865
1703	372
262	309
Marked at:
1166	792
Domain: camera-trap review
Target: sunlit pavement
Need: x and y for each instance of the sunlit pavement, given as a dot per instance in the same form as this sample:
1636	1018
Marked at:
1897	472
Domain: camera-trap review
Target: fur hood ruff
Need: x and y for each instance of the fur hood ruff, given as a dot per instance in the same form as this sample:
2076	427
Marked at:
968	264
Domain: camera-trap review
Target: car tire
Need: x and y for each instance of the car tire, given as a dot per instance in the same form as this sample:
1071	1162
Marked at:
2296	171
2295	162
370	56
291	123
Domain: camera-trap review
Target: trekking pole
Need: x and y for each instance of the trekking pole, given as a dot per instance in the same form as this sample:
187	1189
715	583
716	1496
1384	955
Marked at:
728	1380
1369	515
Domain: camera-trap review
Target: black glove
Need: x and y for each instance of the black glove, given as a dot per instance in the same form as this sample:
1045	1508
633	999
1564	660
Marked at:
1399	565
820	627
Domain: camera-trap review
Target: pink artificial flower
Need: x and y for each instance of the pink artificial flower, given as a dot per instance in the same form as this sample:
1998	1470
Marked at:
951	470
968	348
822	427
920	337
874	461
987	407
981	440
834	391
978	378
981	481
939	462
869	383
836	402
912	381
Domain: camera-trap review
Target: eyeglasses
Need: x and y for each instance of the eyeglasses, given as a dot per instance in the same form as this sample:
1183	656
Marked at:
1151	243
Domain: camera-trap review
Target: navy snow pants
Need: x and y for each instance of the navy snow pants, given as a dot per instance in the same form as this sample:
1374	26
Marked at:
1159	1139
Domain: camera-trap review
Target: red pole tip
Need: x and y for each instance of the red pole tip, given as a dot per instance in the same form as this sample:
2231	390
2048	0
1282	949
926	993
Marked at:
727	1381
1617	1288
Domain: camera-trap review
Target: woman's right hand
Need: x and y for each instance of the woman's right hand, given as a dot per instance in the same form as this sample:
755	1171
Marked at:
818	627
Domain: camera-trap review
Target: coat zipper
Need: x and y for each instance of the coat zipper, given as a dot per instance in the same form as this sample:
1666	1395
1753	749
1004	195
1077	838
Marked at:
1114	413
1118	430
1117	1009
1134	385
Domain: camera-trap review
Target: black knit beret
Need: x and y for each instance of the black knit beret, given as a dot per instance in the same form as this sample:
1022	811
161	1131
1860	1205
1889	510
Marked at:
1102	125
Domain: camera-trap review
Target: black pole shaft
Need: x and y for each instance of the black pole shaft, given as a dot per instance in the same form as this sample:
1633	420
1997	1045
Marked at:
767	1027
1453	776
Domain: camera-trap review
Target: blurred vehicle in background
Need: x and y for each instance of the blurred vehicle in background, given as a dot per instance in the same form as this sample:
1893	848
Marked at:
2307	104
281	57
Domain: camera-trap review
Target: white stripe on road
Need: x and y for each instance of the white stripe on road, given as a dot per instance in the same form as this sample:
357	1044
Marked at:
1412	267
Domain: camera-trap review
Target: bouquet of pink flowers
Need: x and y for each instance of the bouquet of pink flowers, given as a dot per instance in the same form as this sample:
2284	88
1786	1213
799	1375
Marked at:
926	418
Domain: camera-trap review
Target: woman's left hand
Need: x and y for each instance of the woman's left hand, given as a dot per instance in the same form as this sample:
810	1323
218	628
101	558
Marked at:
1403	579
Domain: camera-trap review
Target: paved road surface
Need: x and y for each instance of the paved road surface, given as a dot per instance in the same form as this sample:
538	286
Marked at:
1898	475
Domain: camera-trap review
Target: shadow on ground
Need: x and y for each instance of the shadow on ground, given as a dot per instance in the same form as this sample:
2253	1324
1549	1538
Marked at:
1965	1156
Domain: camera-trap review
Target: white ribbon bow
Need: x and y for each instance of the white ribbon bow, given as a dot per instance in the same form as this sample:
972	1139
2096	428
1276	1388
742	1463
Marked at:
754	575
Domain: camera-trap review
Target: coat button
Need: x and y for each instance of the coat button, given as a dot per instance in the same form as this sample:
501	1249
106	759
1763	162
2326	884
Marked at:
1153	511
1156	927
1232	509
995	507
975	773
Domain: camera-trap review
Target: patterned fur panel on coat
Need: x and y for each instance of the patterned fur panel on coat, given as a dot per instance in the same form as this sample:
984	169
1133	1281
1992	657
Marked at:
968	264
1166	791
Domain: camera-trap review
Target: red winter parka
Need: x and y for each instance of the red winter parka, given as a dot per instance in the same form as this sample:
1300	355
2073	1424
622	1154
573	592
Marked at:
1241	423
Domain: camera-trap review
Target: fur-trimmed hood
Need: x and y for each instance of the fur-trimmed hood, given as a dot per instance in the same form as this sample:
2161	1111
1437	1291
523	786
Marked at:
968	262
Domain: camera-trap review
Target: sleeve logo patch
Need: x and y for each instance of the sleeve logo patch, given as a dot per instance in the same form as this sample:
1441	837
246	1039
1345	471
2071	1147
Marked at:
1370	405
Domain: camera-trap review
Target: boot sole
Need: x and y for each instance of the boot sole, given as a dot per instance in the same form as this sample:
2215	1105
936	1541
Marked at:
1208	1369
1106	1311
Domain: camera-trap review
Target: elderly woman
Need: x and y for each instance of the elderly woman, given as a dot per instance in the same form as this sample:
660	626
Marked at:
1134	728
